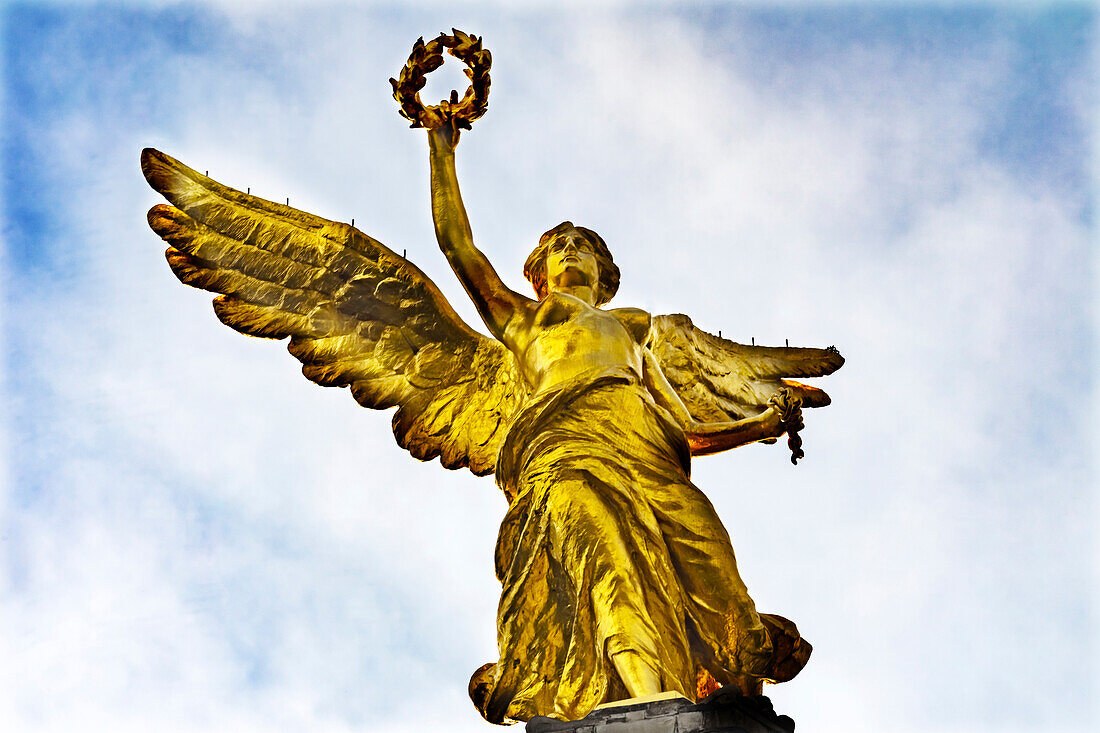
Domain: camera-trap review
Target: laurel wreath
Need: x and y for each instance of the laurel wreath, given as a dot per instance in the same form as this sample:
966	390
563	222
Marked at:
426	58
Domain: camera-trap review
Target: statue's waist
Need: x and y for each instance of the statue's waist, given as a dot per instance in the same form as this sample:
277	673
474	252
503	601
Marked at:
568	410
572	381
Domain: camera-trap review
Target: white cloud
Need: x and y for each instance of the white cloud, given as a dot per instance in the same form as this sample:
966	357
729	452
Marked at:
212	542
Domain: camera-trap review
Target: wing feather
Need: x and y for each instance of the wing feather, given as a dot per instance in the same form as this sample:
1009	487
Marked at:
357	315
720	380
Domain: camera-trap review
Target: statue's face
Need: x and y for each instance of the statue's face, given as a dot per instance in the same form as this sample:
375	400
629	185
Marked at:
571	260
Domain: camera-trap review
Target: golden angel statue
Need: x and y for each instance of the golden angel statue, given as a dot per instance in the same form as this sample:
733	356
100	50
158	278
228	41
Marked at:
619	579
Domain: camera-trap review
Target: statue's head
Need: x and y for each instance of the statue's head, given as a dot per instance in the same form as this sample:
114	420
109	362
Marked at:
556	243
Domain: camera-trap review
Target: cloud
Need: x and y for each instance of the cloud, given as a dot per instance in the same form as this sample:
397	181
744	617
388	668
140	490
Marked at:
197	537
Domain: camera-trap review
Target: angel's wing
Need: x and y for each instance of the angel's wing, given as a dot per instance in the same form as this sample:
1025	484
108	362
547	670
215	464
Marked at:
719	380
357	314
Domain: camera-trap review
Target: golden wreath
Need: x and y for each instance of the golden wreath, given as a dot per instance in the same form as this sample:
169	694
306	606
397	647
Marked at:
426	58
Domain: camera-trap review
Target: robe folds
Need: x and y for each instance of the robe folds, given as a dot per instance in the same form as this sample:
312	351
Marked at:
607	547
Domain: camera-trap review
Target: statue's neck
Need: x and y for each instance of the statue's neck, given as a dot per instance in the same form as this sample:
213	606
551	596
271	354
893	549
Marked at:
581	292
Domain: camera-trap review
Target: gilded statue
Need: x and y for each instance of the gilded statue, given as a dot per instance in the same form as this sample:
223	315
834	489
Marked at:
619	579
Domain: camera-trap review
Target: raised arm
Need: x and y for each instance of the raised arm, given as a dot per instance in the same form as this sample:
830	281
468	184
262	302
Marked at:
496	302
704	438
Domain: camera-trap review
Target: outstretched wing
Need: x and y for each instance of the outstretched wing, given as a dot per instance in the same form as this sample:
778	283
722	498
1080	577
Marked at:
720	380
357	314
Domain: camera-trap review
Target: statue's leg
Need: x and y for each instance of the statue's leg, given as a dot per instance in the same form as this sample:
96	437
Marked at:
639	678
610	547
719	603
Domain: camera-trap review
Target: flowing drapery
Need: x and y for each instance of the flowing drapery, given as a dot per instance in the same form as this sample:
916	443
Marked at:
607	547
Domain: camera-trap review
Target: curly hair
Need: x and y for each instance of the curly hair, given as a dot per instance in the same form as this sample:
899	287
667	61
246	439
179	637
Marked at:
534	269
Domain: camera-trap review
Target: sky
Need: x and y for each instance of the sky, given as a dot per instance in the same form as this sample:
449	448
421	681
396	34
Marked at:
194	538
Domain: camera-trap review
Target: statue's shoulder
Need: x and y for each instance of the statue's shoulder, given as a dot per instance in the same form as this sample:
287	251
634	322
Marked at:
636	321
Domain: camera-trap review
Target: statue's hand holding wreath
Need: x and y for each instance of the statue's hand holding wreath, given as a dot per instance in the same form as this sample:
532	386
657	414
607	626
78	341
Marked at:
445	120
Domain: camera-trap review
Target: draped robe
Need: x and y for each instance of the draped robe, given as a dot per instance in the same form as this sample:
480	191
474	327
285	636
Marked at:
608	547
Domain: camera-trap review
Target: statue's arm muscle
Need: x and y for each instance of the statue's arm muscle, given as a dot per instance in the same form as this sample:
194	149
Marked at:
496	302
704	438
663	393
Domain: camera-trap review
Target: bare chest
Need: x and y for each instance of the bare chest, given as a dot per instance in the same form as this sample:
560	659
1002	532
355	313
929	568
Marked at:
568	337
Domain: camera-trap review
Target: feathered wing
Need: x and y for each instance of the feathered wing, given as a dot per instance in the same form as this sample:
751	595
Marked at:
357	314
720	380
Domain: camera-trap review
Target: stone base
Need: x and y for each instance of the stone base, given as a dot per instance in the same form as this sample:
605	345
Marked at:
726	711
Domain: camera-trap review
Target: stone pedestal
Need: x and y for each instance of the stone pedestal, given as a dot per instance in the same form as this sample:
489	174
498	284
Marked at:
726	711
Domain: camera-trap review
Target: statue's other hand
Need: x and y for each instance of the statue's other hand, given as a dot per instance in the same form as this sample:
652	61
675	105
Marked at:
786	409
444	139
771	423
